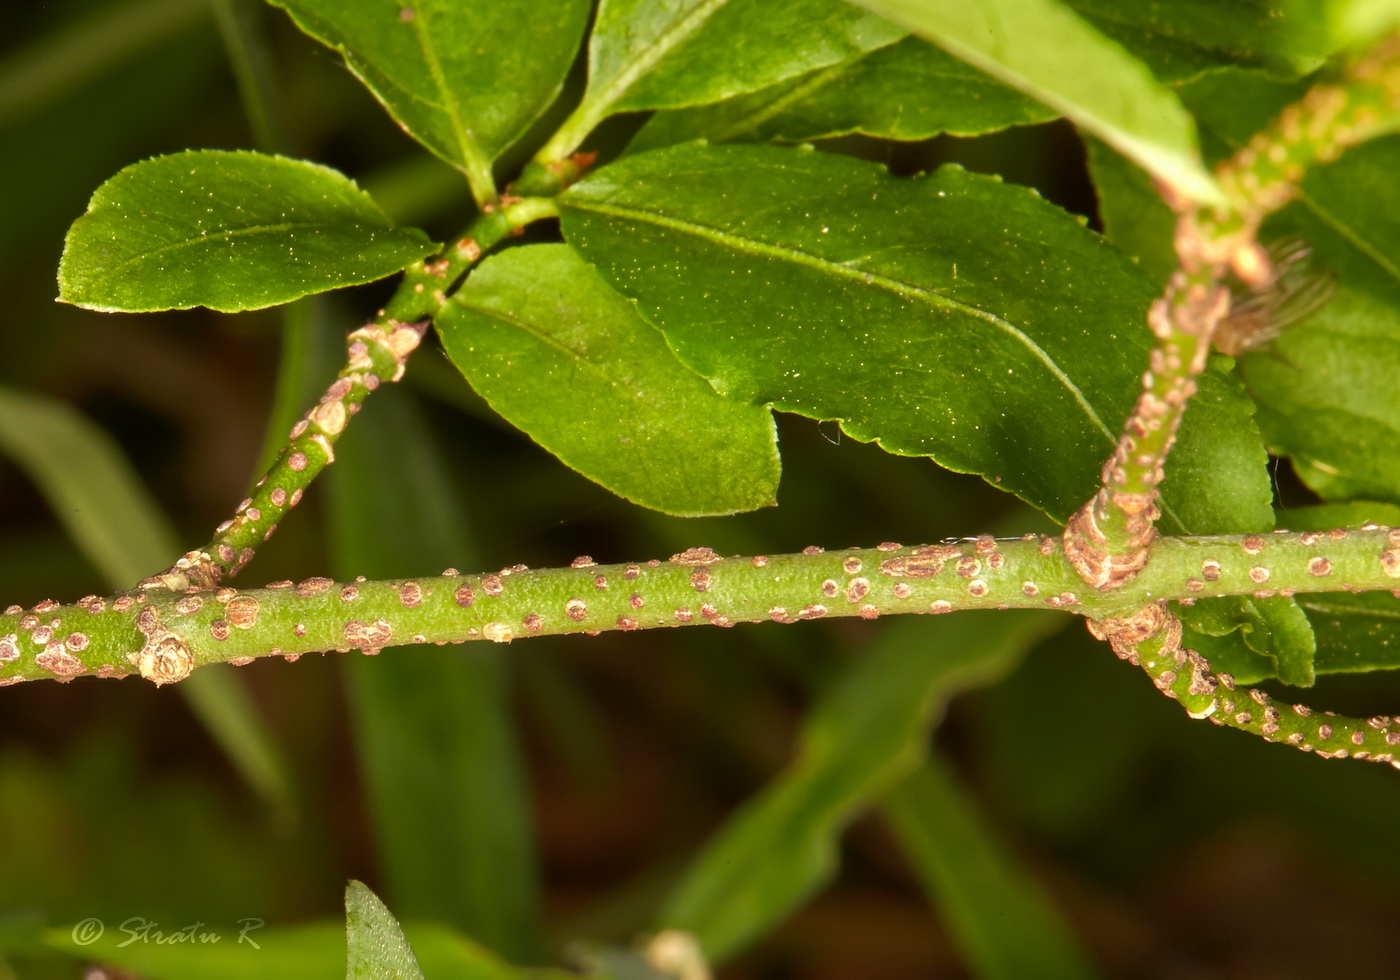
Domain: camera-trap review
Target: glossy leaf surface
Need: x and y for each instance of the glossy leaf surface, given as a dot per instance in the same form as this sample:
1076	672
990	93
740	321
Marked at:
375	945
651	54
563	356
865	733
1179	39
949	315
1045	50
464	79
907	91
230	231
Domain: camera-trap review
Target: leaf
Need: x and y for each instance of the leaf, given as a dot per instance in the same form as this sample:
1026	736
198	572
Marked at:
107	511
867	731
1180	39
1341	24
906	91
1275	630
435	736
1134	216
554	349
658	54
1000	919
227	230
948	315
1046	51
375	945
464	79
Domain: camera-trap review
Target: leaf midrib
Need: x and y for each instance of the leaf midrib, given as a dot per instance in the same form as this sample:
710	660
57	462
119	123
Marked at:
898	287
229	235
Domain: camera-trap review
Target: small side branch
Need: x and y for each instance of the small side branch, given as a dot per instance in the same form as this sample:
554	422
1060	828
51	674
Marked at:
1110	538
376	353
1151	639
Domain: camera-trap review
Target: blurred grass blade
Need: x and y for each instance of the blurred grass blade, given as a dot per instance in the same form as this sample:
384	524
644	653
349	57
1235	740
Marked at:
58	64
435	732
375	945
91	487
1044	49
109	514
1004	924
865	733
246	47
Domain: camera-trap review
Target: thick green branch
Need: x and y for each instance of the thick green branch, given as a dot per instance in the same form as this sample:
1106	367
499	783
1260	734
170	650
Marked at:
163	635
102	636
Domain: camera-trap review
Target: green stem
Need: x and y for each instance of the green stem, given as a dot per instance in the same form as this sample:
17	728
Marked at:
427	284
164	634
377	353
1110	537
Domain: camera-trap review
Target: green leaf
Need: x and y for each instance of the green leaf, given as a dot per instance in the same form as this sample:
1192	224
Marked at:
464	79
906	91
1045	50
1217	477
659	54
1278	640
1134	216
554	349
1180	39
1343	23
1001	920
227	230
434	731
375	945
948	315
867	731
107	511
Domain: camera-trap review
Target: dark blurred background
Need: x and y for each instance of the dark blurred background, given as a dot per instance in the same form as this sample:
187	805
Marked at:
1175	849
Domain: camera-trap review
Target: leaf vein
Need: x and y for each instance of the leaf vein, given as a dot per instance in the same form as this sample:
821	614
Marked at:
899	287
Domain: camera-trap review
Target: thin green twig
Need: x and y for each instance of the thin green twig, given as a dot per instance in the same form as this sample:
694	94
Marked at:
377	353
1110	538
